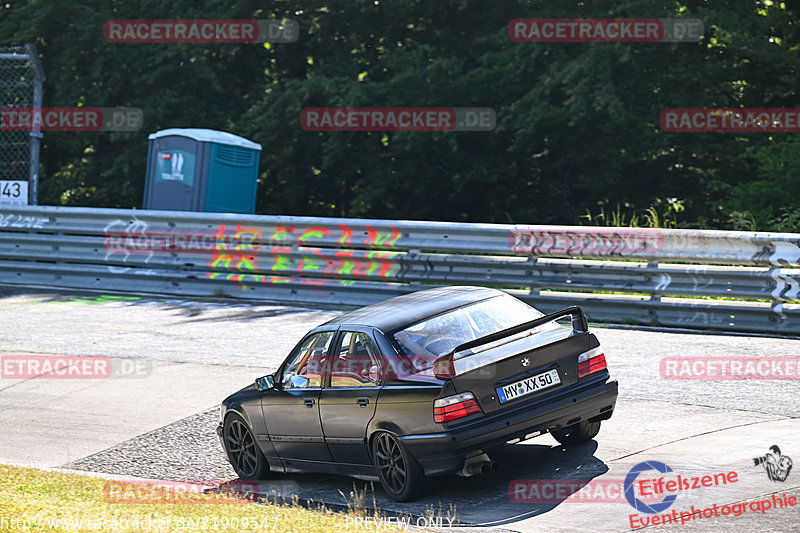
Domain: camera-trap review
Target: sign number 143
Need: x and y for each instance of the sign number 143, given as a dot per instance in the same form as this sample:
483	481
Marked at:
13	192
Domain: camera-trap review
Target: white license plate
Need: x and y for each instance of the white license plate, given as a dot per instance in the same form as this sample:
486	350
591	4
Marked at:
529	385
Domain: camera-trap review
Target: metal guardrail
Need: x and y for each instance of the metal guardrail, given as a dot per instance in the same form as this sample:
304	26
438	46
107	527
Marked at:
630	275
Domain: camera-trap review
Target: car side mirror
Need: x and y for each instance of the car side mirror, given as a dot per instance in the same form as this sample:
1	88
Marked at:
265	383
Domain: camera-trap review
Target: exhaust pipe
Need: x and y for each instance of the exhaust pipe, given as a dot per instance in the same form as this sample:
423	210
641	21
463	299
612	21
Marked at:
472	469
479	464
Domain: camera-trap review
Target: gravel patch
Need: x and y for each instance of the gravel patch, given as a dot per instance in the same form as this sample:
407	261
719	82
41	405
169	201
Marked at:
186	450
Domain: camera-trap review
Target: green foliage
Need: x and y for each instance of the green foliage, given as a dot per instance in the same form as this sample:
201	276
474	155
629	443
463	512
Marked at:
771	199
662	214
577	123
787	221
742	221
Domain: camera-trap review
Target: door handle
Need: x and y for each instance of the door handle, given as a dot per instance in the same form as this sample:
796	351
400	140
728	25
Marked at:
362	401
309	402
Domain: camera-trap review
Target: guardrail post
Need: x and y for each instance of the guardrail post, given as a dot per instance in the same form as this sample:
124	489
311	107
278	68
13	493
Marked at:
36	134
785	287
412	253
655	296
532	290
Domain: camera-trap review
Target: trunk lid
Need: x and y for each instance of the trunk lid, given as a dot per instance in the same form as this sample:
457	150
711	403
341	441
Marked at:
518	365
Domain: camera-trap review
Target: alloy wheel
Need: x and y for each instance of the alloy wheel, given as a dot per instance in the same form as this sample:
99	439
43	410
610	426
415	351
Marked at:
241	449
390	462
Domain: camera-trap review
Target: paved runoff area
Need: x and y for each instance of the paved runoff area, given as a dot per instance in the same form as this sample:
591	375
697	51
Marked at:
703	437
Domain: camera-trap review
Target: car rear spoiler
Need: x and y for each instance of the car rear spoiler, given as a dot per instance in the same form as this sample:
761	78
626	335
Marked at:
444	366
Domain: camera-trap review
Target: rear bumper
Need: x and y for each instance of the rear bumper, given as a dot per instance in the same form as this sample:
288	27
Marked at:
441	453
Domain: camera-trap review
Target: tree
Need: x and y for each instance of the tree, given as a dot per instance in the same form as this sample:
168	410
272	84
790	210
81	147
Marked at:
577	123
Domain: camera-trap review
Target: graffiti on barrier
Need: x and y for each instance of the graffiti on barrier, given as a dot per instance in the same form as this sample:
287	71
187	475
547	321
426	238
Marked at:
130	230
15	221
785	253
289	253
311	256
588	243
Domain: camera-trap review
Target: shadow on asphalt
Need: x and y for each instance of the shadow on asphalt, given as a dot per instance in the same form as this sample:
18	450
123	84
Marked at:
189	306
484	500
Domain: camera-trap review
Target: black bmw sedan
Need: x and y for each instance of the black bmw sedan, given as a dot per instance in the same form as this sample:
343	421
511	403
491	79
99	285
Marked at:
419	385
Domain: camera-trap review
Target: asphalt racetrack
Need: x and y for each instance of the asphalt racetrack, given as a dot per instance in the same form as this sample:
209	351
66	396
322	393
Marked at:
173	361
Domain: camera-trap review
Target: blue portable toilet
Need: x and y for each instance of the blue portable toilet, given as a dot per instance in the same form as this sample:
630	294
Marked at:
192	169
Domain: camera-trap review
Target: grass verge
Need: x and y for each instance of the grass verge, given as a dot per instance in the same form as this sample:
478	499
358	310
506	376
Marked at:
36	500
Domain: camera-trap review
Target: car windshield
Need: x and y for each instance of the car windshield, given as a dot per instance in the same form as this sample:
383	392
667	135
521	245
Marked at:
424	341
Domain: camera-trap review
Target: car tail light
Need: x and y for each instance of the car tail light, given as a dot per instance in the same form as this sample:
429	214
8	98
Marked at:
453	407
590	362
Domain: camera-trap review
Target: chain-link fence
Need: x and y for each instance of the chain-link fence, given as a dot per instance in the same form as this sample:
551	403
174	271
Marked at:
21	78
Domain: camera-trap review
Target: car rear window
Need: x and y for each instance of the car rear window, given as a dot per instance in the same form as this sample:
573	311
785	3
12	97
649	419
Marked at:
424	341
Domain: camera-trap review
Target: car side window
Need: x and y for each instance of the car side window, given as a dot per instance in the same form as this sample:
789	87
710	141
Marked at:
356	363
304	368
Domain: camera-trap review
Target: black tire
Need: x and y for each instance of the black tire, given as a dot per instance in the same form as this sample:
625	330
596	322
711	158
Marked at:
399	473
242	449
577	433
